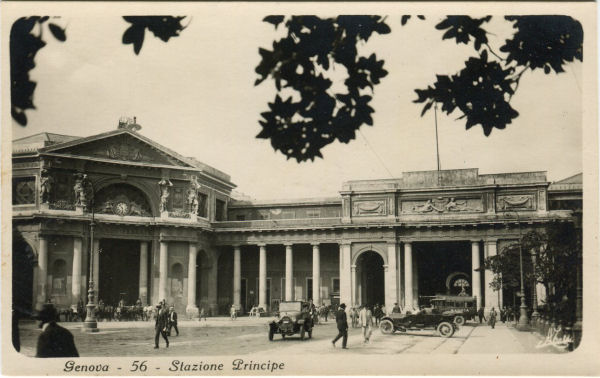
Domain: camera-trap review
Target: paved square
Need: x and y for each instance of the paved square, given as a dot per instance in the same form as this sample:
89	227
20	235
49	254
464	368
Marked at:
221	336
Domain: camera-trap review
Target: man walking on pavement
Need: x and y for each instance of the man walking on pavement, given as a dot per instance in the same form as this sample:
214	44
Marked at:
160	328
480	315
342	326
366	322
493	315
172	321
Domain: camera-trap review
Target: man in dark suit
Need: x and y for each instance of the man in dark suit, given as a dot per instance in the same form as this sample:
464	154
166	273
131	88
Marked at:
342	326
160	328
172	321
54	341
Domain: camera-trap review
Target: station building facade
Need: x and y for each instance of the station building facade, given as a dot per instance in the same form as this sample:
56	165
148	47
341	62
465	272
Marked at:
166	226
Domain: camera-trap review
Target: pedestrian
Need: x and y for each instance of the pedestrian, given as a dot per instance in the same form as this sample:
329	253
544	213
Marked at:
202	314
378	312
493	315
354	316
172	321
54	341
481	315
396	309
342	326
80	309
233	312
366	322
160	327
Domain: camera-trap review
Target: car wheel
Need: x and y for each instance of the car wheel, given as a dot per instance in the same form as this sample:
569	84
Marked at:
271	332
302	331
459	320
445	329
386	326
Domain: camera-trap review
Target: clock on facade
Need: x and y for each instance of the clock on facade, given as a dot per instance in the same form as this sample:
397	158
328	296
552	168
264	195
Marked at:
121	208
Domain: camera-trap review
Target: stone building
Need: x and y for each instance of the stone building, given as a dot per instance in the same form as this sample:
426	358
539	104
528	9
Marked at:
167	227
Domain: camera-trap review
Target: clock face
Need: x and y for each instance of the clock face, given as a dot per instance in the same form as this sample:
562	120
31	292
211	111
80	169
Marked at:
121	208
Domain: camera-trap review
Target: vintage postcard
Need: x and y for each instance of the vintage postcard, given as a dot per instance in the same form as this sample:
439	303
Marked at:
359	188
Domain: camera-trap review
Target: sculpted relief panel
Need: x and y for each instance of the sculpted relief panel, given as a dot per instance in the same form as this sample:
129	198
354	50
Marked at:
369	207
516	202
439	205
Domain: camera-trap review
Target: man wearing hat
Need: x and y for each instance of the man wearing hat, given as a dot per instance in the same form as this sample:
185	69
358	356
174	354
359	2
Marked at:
172	321
54	341
160	327
342	325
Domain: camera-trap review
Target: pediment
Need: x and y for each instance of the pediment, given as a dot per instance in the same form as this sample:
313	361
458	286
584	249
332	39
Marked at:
121	147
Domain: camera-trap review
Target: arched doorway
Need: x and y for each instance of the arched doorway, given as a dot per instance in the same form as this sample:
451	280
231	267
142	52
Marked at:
370	278
119	271
123	200
23	261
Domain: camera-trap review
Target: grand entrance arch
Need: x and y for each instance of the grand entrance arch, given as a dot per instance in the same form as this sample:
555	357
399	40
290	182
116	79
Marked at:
119	271
370	279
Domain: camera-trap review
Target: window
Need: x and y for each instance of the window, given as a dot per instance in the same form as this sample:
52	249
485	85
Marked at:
202	205
23	190
177	280
335	283
240	217
59	277
219	210
313	213
309	288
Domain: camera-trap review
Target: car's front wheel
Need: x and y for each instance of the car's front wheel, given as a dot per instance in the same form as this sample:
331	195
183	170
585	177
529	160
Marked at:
386	326
271	333
459	320
445	329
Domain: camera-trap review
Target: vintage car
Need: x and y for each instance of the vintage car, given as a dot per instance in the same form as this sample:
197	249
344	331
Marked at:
424	319
462	307
294	317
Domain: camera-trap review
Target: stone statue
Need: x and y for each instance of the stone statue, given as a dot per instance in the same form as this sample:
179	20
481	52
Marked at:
82	190
46	183
193	200
164	185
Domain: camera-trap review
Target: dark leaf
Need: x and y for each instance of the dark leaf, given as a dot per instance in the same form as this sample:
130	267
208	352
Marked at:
134	35
57	32
404	19
275	20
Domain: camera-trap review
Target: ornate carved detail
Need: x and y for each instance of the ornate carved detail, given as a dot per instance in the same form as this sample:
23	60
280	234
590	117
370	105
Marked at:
443	205
123	200
164	185
124	151
369	207
524	201
179	214
46	186
23	190
62	205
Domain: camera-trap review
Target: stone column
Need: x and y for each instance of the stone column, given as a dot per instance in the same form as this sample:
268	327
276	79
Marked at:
289	273
356	286
96	253
191	308
316	274
491	296
76	275
163	270
345	274
415	274
408	276
237	276
42	276
143	283
262	276
391	288
475	273
212	287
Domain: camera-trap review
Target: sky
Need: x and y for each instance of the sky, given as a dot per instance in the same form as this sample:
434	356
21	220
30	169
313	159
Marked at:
196	95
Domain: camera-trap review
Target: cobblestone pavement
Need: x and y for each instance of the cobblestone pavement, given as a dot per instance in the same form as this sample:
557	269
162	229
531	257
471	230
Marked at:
221	336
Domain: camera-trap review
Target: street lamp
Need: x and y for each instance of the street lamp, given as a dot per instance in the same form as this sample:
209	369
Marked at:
523	319
535	314
90	324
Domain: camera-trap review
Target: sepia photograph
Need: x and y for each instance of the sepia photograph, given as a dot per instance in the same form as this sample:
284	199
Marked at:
299	188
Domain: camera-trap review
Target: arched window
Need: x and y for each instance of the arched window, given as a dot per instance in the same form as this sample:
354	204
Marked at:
59	277
177	280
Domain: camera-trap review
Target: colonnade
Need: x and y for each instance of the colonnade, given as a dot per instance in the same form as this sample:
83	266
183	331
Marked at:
396	280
